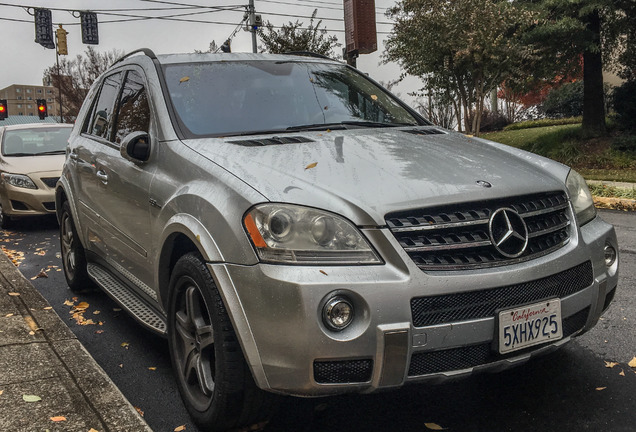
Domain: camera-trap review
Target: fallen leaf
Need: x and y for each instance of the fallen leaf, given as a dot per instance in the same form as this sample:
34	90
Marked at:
99	331
32	333
42	274
374	97
324	272
1	391
96	312
139	411
622	373
31	398
124	344
610	364
600	388
180	428
152	368
68	303
93	430
8	315
311	165
632	363
184	79
40	252
82	306
58	418
48	308
116	310
121	365
433	426
14	294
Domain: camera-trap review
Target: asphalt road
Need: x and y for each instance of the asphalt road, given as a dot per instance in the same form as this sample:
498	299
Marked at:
570	390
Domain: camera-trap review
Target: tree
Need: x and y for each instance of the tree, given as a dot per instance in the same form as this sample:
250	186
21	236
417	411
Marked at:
593	29
461	49
75	76
294	37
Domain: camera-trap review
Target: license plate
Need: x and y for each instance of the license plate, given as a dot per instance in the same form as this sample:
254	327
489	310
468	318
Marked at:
529	325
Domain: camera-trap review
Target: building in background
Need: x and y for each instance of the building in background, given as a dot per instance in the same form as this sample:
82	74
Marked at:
22	99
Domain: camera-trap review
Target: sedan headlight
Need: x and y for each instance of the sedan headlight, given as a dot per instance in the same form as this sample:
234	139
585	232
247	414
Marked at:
18	180
581	198
292	234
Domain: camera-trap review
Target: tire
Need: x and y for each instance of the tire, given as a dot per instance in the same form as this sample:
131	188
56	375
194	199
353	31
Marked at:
5	220
73	256
214	380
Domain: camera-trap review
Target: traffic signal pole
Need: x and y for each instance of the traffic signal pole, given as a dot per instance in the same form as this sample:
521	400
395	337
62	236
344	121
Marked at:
59	81
252	20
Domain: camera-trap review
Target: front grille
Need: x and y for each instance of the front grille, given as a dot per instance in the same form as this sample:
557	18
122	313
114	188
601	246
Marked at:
464	306
423	363
343	371
458	237
50	181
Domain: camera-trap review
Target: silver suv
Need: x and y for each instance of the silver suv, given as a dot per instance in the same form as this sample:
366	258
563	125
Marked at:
293	228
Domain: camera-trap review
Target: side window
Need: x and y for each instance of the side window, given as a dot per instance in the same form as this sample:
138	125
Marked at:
102	117
133	112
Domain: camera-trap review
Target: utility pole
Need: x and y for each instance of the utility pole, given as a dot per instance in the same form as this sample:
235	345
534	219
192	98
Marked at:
59	80
252	22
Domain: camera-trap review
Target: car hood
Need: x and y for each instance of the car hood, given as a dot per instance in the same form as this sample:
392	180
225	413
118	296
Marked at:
366	173
32	164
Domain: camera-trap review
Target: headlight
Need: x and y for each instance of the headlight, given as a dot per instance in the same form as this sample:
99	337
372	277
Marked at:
18	180
286	233
581	198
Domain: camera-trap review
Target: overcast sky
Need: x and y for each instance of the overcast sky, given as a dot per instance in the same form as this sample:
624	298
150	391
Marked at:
23	61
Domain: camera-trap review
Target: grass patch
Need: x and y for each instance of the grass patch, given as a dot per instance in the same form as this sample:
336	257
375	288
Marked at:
543	123
602	190
595	158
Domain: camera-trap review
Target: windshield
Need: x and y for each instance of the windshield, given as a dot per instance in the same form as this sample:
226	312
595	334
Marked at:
233	98
35	141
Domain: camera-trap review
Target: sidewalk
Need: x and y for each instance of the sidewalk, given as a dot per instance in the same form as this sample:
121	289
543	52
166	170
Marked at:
42	360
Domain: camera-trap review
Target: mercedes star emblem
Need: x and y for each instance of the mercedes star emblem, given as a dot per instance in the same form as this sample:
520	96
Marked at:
508	232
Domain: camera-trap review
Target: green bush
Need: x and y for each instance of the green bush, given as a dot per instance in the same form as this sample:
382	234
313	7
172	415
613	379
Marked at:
624	102
625	143
565	101
543	123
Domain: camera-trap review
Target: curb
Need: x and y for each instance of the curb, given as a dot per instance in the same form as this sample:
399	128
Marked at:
40	356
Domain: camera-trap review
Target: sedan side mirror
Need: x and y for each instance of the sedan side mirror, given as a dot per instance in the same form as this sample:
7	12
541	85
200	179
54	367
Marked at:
136	147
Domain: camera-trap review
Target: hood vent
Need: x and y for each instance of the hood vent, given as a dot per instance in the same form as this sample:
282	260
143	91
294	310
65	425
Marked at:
272	141
427	131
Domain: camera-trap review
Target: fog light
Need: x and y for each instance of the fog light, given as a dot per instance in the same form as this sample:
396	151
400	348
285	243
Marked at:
610	254
337	313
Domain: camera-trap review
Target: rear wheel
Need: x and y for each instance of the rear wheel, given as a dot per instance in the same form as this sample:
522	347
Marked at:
73	256
213	378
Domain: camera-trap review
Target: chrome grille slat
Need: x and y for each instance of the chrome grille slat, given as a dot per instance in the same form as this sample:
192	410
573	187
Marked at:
456	236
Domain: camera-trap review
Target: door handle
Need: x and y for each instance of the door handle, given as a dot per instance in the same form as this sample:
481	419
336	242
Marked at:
102	176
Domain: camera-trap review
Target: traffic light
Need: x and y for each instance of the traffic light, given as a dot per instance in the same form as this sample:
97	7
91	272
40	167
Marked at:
44	28
226	46
258	22
60	35
42	111
4	113
89	28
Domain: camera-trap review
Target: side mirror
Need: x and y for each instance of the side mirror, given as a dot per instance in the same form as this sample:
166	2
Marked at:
136	147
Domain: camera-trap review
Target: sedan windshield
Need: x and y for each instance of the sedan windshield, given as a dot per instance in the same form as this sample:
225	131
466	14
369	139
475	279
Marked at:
240	98
35	141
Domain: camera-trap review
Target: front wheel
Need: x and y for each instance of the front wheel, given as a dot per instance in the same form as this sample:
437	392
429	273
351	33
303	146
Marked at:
213	378
73	257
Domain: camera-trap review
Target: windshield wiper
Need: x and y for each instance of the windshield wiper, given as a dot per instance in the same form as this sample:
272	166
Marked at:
52	152
20	154
344	124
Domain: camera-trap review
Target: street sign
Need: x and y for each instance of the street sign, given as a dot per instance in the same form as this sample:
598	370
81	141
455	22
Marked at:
90	34
44	28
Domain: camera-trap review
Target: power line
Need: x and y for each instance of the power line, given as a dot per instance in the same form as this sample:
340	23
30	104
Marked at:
317	18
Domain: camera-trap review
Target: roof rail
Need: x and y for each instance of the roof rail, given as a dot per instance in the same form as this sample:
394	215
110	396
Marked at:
307	54
146	51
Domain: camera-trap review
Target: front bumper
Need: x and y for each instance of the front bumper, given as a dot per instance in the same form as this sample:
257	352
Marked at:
277	313
20	202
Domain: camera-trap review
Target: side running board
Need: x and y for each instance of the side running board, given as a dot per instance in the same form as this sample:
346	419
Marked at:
127	299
